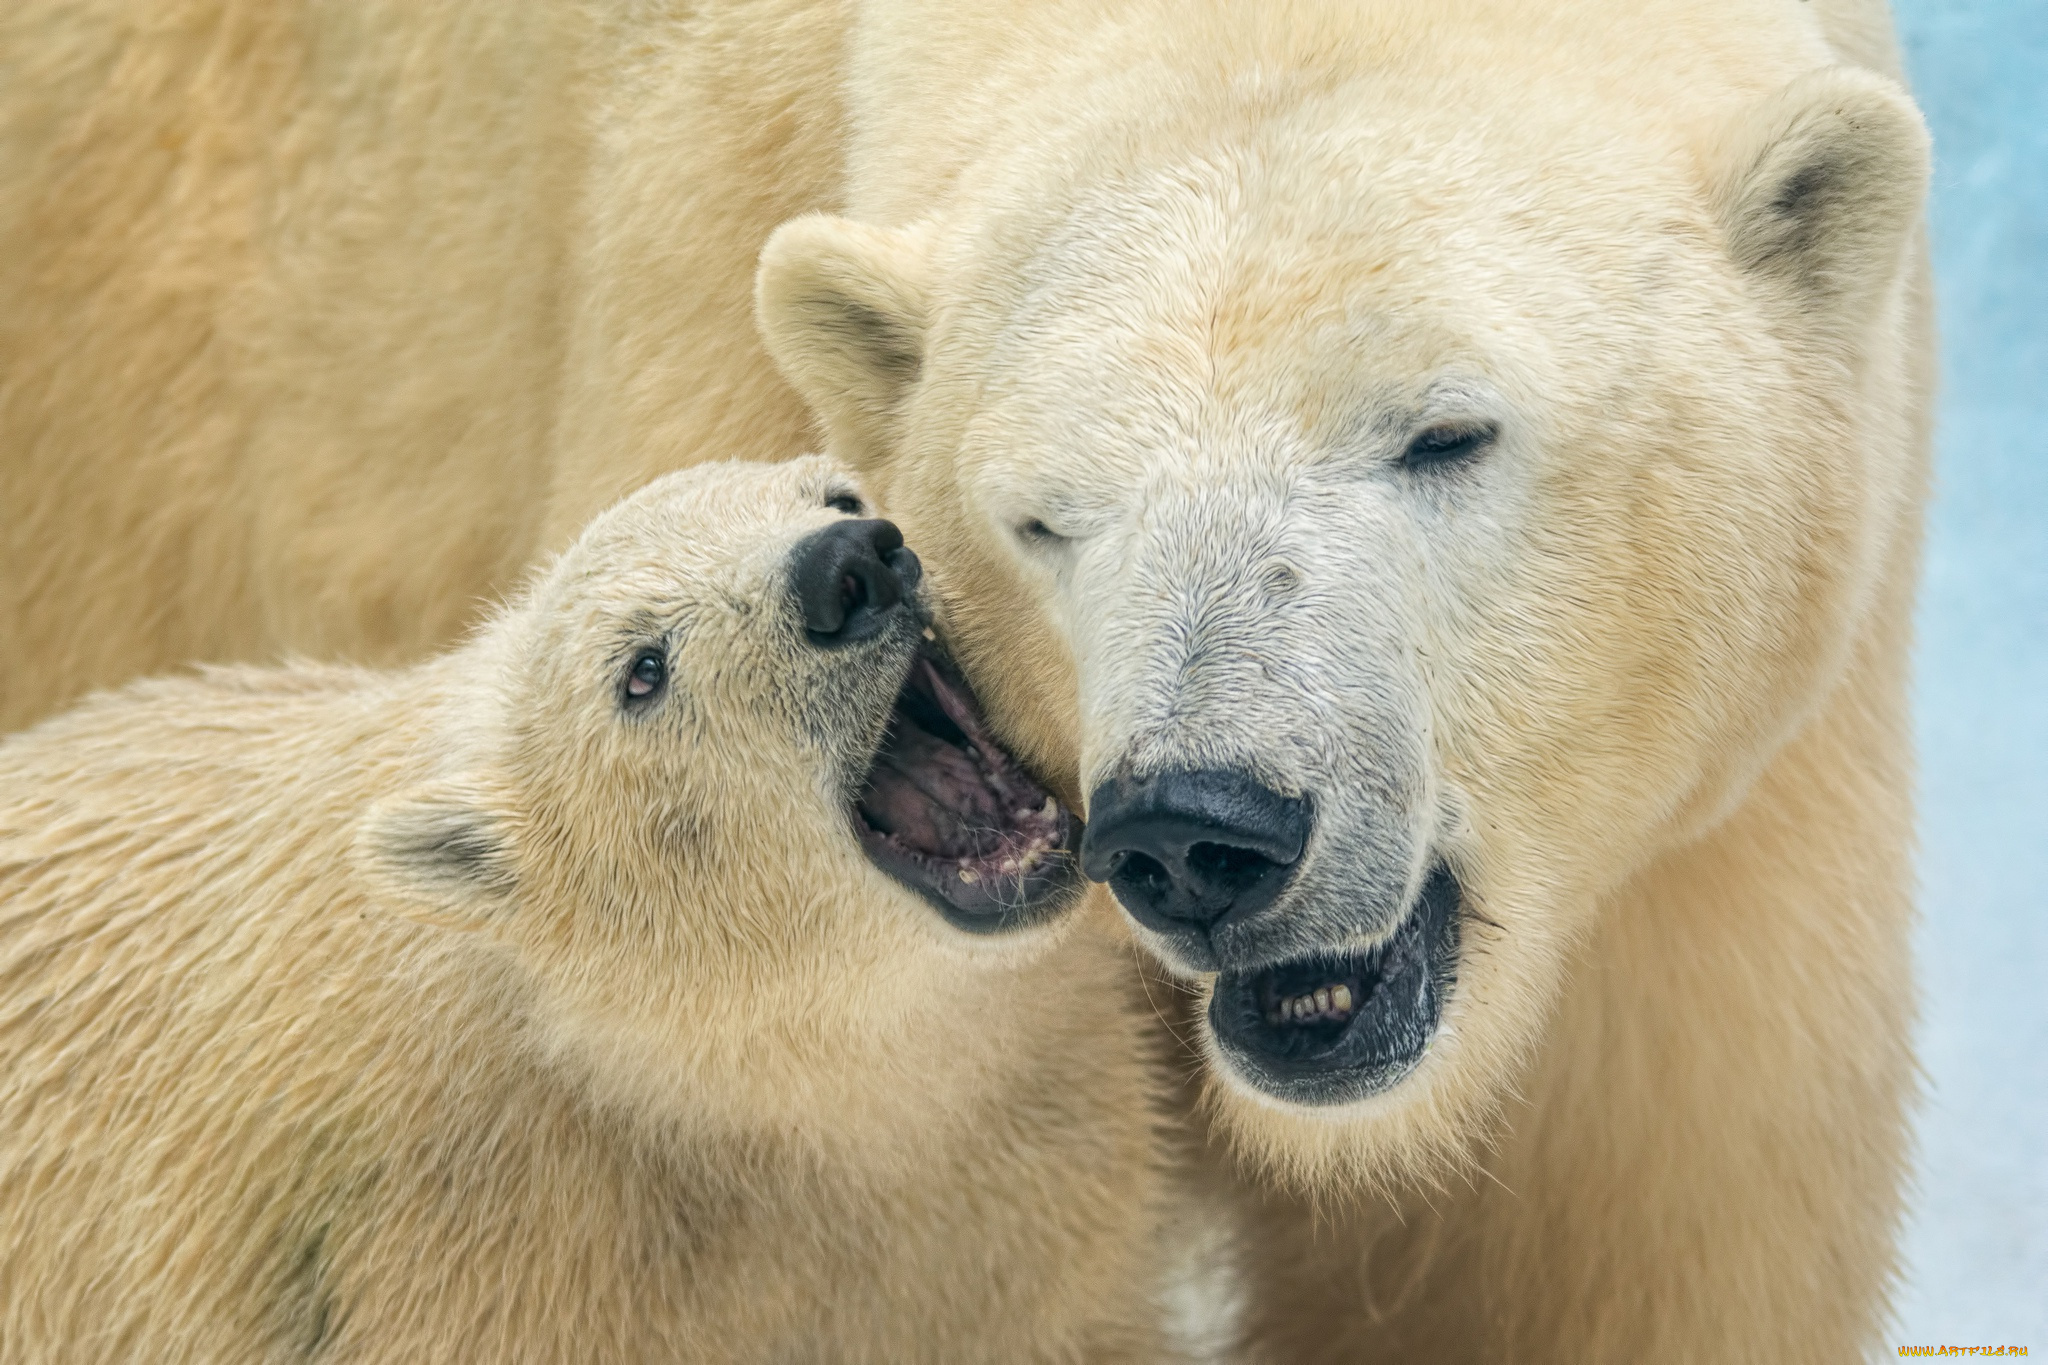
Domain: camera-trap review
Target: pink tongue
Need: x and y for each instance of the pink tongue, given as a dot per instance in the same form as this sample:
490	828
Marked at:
930	795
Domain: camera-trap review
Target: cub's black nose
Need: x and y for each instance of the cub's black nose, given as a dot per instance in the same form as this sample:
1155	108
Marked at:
848	577
1187	849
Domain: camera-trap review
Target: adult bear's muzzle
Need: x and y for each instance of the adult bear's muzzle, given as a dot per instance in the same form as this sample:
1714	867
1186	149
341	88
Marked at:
1190	851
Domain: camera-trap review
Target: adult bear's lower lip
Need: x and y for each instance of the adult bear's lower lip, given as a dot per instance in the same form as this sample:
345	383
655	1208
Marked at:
1329	1029
949	813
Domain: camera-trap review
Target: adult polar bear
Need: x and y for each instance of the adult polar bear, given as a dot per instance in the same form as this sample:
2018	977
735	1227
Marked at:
1457	457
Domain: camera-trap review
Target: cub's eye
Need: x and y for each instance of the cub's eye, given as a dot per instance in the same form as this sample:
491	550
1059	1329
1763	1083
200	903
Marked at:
1446	441
847	503
650	671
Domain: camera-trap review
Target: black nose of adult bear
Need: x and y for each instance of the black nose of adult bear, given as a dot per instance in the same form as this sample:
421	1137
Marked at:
849	577
1188	849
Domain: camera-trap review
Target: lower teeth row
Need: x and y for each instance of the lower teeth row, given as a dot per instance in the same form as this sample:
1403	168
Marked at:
1329	1002
1011	867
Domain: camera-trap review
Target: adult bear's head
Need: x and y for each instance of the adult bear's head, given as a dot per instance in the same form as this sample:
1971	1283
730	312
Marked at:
1401	505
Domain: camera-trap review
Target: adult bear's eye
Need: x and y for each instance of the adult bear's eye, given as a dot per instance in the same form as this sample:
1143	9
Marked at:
1036	532
649	672
1446	441
845	502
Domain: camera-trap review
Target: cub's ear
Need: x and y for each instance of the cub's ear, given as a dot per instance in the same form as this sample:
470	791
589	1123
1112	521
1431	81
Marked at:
1819	190
450	846
842	308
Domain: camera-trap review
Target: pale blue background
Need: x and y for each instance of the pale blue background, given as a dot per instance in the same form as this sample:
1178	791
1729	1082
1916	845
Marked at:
1977	1242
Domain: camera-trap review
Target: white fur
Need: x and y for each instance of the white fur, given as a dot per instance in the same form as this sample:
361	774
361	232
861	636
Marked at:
321	324
473	1012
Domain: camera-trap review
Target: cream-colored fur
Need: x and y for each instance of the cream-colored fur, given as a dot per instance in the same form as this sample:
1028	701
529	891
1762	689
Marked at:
468	1013
420	316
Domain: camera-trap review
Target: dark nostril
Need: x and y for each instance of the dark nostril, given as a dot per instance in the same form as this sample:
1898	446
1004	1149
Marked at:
1189	849
853	595
1137	869
1228	866
847	577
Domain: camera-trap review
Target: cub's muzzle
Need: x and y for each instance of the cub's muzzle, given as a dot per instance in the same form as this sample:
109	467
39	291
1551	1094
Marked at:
849	578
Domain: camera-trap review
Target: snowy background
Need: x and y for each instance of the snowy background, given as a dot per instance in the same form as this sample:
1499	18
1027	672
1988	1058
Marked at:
1977	1241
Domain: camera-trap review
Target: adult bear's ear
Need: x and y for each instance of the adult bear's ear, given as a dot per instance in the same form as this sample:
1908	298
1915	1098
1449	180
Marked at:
842	308
448	846
1819	189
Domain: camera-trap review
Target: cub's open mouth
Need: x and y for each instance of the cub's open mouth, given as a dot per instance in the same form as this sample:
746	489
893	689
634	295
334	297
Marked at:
953	817
1330	1029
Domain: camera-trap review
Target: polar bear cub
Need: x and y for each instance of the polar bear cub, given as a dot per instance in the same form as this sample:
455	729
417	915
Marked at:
679	970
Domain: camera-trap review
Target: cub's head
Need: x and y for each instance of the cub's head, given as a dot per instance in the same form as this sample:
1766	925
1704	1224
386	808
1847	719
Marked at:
716	784
1408	481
